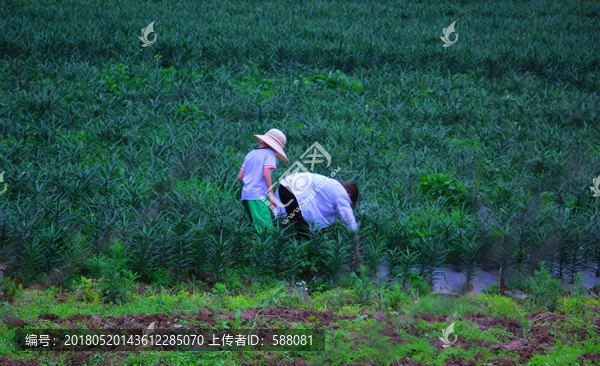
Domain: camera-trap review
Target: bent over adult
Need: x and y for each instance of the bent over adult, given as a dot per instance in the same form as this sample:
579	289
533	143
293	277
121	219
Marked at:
313	202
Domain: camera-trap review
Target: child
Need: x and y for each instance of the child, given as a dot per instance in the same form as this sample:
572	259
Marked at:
255	177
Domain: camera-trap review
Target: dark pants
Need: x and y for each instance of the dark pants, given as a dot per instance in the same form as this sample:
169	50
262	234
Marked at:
293	211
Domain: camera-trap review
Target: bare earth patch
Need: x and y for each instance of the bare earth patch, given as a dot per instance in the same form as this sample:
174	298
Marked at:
540	339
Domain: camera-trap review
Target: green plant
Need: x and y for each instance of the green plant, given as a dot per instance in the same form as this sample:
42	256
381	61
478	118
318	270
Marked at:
293	299
273	296
260	255
526	327
431	255
572	306
45	299
393	260
498	306
319	285
116	78
234	281
443	185
544	290
415	282
493	289
336	257
470	253
374	253
89	290
220	292
117	282
92	166
161	277
309	268
395	297
363	286
407	261
295	259
219	257
334	298
237	320
8	289
339	79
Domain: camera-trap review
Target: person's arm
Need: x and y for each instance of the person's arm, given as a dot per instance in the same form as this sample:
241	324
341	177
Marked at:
267	176
344	212
241	176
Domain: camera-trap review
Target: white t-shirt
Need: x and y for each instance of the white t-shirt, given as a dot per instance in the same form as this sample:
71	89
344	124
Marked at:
321	200
255	162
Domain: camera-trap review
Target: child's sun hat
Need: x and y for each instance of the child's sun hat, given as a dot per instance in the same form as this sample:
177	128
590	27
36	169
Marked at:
276	140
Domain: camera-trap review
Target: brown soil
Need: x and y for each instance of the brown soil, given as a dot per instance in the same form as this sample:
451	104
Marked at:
407	362
502	362
463	343
539	341
473	362
78	358
298	362
14	323
9	361
590	356
160	320
486	322
431	318
540	337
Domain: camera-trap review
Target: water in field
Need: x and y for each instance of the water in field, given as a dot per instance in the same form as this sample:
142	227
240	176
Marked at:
451	282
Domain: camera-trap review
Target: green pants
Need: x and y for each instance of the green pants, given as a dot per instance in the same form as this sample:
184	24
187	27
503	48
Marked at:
259	214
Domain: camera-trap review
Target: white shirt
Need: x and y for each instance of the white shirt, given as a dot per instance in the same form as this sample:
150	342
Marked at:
321	200
255	187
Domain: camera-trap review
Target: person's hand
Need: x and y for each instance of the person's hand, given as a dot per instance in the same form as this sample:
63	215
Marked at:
272	203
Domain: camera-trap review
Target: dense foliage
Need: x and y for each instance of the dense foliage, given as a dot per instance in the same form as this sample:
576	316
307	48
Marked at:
477	154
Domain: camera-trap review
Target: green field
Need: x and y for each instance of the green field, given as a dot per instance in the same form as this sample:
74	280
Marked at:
121	161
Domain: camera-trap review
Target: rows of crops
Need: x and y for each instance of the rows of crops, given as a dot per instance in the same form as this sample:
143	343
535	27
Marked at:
477	154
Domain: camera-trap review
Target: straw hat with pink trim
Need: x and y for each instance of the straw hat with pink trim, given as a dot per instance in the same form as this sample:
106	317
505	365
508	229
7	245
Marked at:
276	140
